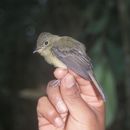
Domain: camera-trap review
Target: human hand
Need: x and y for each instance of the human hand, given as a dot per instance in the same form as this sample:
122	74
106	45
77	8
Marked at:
71	105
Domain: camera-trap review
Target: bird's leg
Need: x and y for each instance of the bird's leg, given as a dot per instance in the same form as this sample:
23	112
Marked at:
54	83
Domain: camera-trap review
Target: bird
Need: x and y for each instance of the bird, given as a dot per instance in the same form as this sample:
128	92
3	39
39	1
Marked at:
67	52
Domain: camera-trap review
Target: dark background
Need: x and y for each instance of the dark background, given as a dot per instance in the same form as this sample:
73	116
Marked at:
102	25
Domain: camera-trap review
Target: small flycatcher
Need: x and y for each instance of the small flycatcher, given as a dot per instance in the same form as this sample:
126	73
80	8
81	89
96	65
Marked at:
66	52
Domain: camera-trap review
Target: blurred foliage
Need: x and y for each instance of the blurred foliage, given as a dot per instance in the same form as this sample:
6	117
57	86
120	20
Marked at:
105	75
95	23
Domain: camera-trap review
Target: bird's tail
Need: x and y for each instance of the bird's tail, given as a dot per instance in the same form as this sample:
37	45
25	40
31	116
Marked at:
96	85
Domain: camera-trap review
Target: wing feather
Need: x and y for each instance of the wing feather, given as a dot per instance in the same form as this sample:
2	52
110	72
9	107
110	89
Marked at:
75	60
78	62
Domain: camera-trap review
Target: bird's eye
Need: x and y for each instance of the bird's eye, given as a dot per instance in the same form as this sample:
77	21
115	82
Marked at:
46	42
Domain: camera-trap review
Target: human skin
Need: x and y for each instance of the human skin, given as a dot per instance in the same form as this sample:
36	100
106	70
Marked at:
73	104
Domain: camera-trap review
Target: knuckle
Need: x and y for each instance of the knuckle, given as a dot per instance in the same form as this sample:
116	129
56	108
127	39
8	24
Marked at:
40	103
41	100
51	113
73	94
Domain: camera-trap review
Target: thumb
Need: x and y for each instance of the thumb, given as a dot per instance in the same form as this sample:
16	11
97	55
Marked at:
70	92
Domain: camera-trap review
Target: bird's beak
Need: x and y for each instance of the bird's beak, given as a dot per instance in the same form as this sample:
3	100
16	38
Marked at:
35	51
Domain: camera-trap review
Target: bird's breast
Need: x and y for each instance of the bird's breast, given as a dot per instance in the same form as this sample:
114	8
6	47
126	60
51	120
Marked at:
52	59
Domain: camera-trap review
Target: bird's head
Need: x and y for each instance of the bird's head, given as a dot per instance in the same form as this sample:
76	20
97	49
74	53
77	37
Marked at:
45	42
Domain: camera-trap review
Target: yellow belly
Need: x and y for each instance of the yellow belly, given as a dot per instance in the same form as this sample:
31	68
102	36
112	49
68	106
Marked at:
51	59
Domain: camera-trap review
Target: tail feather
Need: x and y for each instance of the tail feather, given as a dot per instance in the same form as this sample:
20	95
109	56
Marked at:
98	87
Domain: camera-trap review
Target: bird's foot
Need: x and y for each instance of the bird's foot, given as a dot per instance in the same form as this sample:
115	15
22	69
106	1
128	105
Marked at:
54	83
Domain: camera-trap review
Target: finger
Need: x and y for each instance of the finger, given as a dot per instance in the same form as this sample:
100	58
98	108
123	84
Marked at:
81	81
73	73
86	87
55	97
46	112
59	73
90	95
71	95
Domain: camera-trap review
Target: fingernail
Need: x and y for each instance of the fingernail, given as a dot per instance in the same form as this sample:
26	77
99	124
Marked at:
69	81
61	107
58	122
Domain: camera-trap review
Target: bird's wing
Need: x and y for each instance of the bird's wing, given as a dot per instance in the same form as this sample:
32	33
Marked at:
74	59
78	62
